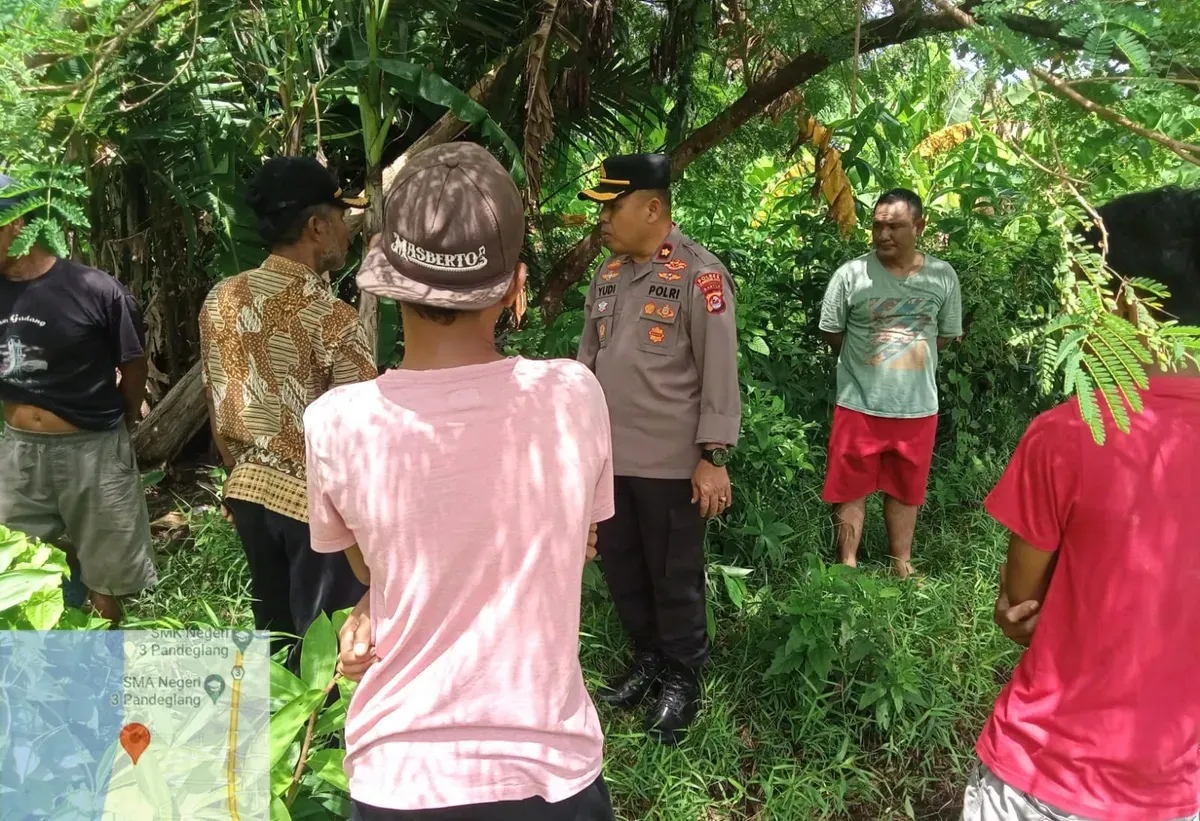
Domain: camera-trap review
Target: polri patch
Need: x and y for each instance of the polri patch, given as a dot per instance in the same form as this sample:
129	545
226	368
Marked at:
712	285
649	308
657	335
665	291
676	265
609	276
669	276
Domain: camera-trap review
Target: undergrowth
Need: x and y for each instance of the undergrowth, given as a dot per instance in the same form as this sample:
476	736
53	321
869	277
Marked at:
830	693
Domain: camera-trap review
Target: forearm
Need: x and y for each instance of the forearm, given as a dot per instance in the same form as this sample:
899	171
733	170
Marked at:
1029	571
133	387
835	340
359	565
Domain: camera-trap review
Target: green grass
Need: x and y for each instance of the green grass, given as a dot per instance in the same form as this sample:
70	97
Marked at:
797	745
202	582
794	745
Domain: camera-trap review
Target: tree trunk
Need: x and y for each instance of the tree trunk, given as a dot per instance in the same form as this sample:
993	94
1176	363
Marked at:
875	35
173	421
447	128
368	304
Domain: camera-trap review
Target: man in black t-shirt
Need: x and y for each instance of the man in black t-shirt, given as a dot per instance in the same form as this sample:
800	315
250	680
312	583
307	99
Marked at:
66	460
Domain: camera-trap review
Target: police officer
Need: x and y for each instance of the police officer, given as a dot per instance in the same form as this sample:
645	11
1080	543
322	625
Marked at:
660	336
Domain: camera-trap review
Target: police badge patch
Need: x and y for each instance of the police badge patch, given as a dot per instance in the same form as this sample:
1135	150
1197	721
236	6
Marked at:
712	285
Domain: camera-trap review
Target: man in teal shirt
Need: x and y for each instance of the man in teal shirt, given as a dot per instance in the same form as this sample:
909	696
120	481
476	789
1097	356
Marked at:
887	314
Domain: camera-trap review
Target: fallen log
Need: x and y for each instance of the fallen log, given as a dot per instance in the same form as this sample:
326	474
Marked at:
173	422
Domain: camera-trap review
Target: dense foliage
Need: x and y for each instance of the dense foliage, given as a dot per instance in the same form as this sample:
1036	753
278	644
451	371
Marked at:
830	693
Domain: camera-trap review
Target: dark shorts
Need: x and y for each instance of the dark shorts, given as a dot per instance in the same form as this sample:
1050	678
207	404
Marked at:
86	486
870	453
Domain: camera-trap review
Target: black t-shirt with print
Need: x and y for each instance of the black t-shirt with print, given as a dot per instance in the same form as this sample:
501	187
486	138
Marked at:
62	337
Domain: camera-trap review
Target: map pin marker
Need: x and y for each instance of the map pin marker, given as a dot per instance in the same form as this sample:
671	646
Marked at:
135	738
242	639
214	685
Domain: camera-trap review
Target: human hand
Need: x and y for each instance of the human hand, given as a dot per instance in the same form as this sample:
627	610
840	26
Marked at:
712	489
1019	622
593	537
356	653
225	511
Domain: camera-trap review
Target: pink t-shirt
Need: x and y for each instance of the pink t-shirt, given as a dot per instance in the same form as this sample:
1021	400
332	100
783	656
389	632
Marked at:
1102	716
470	492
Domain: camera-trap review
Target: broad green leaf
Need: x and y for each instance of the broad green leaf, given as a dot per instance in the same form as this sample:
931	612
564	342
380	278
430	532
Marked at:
736	588
332	719
417	81
285	686
286	723
279	810
318	653
329	767
44	609
18	585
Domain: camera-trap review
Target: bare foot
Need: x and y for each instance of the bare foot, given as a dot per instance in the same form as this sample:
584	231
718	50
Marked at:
903	568
852	561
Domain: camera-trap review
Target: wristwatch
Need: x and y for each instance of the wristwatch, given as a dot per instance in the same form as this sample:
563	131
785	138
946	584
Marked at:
718	457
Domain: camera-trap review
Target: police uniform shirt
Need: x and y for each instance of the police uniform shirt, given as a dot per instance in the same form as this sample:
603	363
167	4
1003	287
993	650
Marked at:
661	338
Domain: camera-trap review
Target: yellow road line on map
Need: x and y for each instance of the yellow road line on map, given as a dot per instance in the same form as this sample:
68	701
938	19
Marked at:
231	762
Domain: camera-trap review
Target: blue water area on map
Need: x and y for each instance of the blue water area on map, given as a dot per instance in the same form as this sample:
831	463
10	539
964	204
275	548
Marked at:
59	730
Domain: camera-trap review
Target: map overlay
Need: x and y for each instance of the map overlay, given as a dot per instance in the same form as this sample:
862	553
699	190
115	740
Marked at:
145	725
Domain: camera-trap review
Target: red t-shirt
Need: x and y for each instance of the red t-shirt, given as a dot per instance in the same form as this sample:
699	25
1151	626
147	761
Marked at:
1102	716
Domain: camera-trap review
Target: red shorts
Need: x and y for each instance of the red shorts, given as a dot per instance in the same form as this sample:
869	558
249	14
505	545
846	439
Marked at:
869	453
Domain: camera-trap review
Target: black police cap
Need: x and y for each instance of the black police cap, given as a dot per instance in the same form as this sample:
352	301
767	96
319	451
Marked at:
630	172
295	183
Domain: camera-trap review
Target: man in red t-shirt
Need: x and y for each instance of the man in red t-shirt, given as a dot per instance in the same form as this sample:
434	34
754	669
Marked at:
1101	719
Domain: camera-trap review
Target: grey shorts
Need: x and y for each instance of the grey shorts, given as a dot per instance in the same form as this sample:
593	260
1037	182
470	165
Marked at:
990	799
85	485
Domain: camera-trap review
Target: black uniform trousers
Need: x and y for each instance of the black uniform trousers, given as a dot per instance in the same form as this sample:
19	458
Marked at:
593	804
292	584
652	556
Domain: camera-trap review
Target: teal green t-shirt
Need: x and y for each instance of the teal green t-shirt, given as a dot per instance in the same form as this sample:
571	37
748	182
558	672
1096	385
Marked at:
889	358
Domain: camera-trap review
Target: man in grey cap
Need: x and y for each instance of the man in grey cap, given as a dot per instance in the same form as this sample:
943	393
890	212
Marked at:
659	332
67	465
462	487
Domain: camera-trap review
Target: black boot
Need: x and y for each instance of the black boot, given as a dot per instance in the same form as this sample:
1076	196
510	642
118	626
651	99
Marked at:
677	705
636	683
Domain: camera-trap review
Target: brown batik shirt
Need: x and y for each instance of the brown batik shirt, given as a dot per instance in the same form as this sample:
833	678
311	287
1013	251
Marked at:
273	340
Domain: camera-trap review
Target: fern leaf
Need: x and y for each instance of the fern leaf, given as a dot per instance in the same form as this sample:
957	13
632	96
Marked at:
1126	376
75	216
1150	286
1115	401
15	212
52	236
1089	408
25	240
1070	344
1098	46
1047	364
1134	50
1071	371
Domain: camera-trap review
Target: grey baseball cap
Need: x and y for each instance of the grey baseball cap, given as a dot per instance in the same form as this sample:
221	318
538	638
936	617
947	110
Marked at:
453	228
